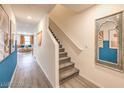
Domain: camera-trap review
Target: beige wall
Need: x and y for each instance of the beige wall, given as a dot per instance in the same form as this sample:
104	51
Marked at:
80	27
47	54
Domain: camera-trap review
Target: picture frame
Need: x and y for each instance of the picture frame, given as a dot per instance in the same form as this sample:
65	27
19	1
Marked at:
4	34
39	38
110	53
12	37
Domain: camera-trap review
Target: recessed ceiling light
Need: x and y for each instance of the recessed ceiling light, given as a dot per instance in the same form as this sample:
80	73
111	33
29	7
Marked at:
29	17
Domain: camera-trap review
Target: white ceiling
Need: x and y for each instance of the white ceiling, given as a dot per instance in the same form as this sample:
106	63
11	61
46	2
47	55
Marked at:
36	11
78	7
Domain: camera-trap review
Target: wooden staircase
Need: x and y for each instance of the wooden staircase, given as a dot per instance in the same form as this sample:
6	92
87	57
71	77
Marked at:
66	67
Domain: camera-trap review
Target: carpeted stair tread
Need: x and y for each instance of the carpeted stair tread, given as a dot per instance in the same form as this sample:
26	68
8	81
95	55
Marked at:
64	59
66	74
65	65
61	49
62	54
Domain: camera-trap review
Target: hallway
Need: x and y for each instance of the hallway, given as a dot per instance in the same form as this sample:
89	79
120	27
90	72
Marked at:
48	46
28	74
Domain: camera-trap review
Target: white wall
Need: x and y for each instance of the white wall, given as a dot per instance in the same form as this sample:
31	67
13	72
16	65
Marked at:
80	27
47	55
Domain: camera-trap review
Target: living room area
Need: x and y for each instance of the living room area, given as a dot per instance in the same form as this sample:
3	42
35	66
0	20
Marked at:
25	43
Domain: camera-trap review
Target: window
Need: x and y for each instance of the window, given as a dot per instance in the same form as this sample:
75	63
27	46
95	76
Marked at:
27	40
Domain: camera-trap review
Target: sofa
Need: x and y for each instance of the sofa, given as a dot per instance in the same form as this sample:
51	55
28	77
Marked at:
25	48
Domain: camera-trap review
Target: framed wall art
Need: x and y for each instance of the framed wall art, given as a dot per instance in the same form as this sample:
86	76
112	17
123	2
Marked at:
4	34
13	38
109	41
39	38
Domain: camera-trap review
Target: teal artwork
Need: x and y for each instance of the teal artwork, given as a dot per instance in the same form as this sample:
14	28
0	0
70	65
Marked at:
109	41
108	54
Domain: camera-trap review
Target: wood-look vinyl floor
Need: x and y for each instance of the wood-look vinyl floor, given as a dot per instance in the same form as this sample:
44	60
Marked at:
28	73
78	82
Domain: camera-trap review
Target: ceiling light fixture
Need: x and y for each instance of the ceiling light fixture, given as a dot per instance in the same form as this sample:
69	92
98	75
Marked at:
29	17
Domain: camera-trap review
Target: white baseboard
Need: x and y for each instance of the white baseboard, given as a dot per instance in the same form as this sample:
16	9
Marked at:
43	70
100	86
13	77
